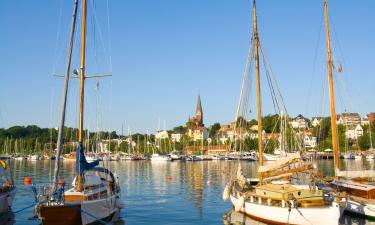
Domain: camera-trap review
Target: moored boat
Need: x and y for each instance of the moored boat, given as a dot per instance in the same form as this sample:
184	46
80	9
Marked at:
95	193
7	188
157	157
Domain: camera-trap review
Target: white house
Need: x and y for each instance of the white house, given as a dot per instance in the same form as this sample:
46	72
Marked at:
315	121
299	122
365	121
349	119
353	132
198	133
161	135
309	141
176	137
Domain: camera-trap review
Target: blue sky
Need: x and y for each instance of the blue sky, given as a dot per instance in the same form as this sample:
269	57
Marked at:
163	53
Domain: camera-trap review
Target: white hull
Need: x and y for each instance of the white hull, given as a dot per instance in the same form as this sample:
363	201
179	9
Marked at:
160	159
279	215
157	157
101	208
367	210
34	158
6	200
348	156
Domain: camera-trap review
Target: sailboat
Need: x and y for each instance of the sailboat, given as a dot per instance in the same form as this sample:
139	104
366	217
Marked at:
357	185
274	199
7	188
95	195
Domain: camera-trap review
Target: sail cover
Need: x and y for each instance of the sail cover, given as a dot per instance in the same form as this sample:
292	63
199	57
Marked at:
81	162
287	160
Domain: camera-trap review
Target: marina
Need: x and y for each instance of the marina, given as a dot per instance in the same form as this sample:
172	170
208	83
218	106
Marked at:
263	157
192	189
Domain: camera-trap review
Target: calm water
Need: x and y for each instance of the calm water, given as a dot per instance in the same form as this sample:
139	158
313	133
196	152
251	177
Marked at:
163	192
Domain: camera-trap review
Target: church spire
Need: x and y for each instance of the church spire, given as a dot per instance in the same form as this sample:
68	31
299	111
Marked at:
199	112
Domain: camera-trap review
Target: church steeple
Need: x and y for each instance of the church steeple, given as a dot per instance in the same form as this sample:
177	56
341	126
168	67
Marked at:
199	112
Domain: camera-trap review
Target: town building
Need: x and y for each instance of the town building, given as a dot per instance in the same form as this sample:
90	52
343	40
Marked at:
299	122
176	137
348	119
196	129
365	121
354	131
309	141
371	117
163	134
315	121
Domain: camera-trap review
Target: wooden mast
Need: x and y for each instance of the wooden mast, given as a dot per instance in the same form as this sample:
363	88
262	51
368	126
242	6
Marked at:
82	83
82	71
331	92
257	76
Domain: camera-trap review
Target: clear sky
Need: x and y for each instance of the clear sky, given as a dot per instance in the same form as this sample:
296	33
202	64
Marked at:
163	53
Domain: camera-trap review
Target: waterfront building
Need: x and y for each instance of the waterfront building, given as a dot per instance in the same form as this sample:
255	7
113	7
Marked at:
348	119
163	134
371	117
365	121
196	129
354	131
299	122
315	121
309	141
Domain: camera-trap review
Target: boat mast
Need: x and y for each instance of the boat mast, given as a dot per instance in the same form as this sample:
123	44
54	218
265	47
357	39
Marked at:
82	83
331	92
257	76
82	71
65	95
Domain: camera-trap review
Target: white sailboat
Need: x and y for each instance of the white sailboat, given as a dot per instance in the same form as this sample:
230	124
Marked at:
158	157
95	193
274	199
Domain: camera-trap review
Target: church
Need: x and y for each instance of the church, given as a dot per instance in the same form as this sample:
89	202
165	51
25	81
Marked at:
196	129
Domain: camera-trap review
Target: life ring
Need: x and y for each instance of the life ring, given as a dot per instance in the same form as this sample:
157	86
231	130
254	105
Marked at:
3	164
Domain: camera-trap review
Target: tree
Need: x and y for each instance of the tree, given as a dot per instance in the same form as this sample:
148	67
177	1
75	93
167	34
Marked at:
179	130
271	123
214	129
364	142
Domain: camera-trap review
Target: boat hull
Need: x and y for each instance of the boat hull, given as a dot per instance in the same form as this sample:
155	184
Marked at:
6	200
359	209
76	213
280	215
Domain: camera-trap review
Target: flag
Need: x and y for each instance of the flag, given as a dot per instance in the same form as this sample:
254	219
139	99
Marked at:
339	69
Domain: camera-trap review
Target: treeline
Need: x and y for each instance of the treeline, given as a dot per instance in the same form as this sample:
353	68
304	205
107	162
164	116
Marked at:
32	139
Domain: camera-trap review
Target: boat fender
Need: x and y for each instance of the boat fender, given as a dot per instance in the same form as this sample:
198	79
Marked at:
3	164
239	204
226	193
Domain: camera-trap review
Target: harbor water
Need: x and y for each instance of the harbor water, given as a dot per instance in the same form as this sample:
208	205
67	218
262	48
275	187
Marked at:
162	192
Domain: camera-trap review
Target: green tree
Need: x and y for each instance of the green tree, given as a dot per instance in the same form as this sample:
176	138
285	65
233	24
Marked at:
214	129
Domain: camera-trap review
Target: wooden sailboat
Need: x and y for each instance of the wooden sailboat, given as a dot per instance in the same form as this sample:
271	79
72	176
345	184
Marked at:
95	195
358	185
273	199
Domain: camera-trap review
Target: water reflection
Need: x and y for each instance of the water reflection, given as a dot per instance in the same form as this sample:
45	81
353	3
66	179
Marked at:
165	192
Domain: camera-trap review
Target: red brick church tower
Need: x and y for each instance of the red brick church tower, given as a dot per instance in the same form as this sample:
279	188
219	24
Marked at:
199	113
